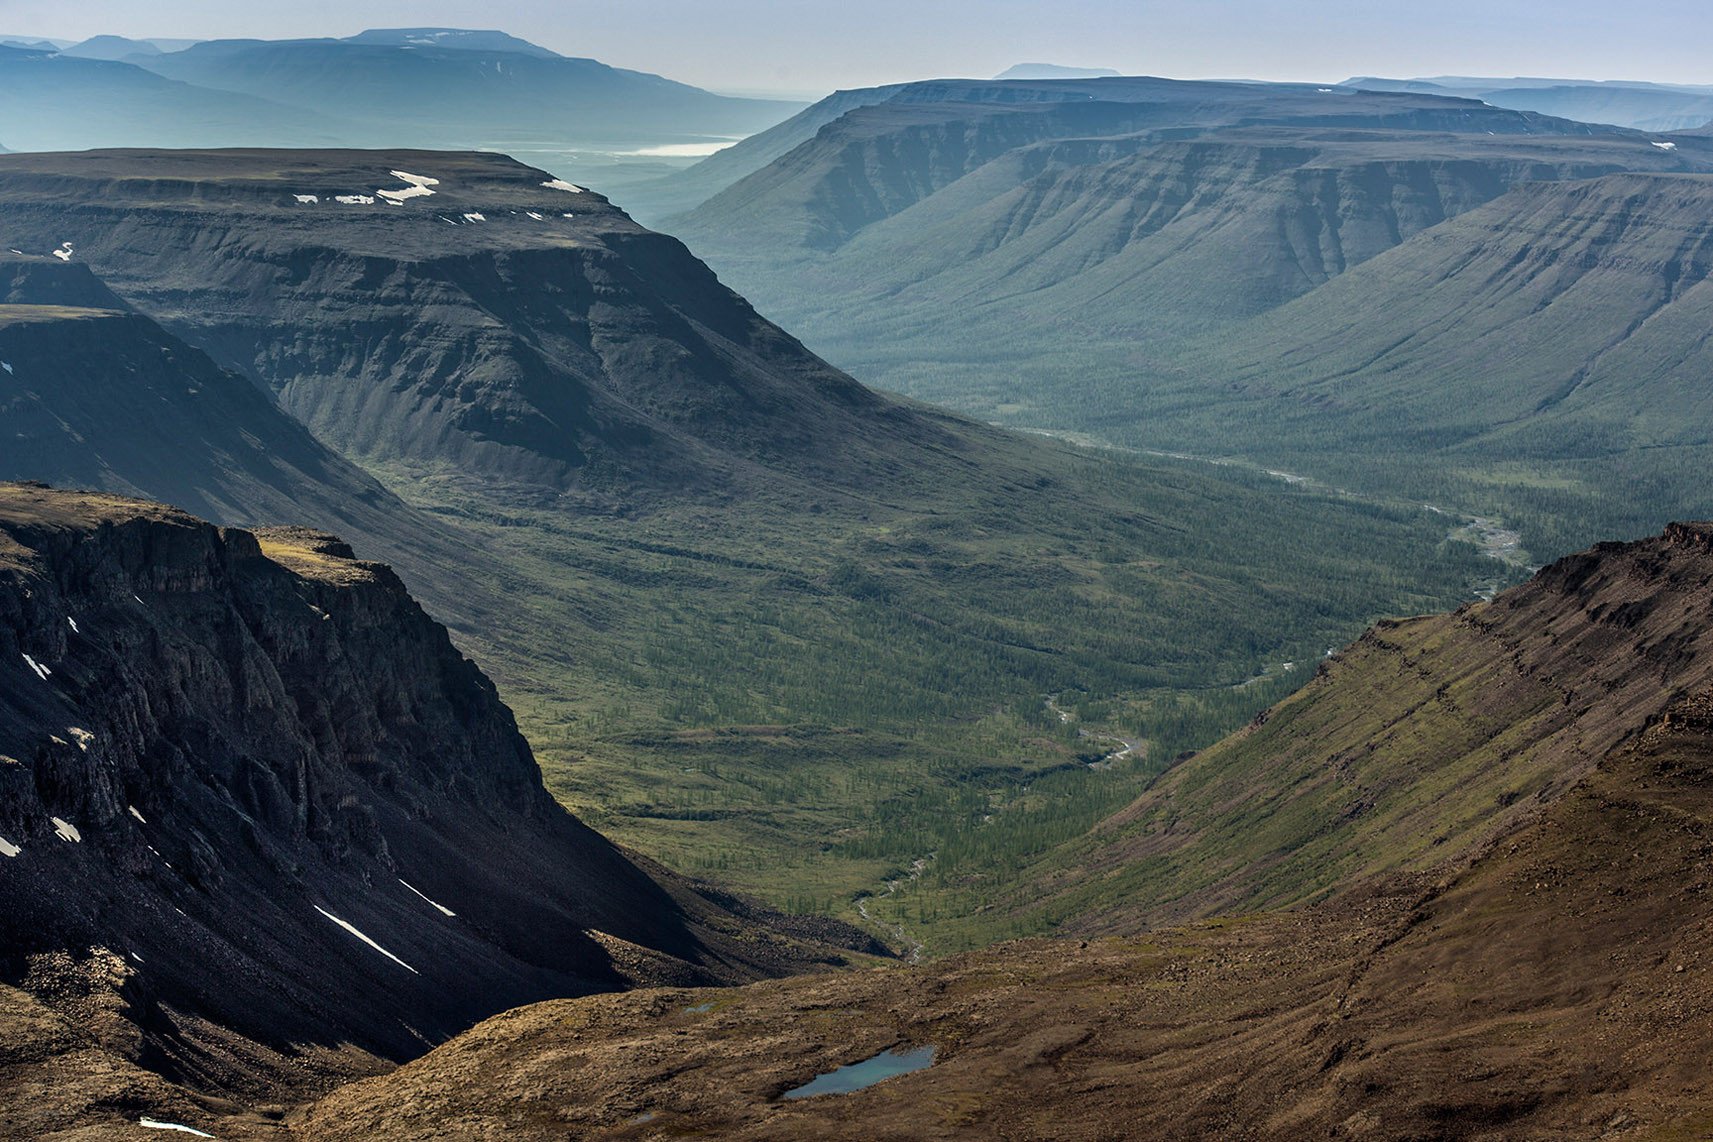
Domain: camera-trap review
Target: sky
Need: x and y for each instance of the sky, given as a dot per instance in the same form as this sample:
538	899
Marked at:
813	46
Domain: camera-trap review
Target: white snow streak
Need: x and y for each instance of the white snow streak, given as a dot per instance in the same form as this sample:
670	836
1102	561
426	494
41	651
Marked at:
42	672
151	1124
64	252
417	188
306	199
561	184
66	831
352	928
531	213
7	365
475	218
442	907
1666	146
139	816
355	199
8	849
73	623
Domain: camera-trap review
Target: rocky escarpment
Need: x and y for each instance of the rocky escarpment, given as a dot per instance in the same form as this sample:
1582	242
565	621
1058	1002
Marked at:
458	314
258	808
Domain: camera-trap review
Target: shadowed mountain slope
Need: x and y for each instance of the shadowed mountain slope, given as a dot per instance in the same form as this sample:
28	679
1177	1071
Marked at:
256	802
1644	106
95	395
501	326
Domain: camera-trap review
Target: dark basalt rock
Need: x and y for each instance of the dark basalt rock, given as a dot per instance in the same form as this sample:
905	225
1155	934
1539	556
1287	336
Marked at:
250	741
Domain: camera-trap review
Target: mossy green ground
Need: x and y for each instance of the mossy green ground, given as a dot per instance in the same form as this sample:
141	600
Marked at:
802	704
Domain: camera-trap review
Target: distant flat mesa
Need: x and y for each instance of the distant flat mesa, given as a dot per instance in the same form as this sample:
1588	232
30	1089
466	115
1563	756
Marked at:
1054	71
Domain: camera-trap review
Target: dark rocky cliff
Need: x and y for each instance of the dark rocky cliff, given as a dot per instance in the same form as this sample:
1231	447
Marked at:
245	780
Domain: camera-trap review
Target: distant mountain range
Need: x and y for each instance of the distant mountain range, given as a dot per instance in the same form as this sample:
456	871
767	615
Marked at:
429	87
1645	106
1053	71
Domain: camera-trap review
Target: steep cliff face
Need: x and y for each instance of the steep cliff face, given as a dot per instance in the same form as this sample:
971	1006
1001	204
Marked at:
248	779
484	320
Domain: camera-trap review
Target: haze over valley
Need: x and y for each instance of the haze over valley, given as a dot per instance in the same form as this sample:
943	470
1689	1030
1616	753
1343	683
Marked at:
544	597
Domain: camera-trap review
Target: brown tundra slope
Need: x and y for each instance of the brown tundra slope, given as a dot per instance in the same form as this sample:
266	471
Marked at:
1550	980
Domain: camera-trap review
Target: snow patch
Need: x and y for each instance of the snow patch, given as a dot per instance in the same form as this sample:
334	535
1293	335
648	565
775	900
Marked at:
66	831
447	911
139	599
136	957
83	738
73	624
561	184
355	199
307	199
352	928
475	218
417	187
8	849
567	216
152	1124
7	365
531	213
140	819
64	252
42	672
1666	146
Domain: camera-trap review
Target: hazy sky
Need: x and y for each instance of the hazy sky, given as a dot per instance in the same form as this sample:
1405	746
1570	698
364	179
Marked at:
814	45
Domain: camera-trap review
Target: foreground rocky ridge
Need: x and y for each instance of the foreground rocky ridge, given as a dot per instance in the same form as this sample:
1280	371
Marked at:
265	827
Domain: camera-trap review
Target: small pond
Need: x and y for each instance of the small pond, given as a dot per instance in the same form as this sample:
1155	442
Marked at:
857	1076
